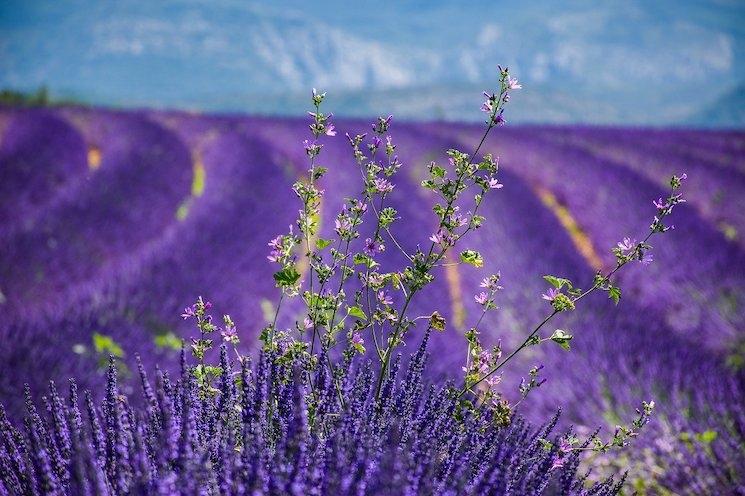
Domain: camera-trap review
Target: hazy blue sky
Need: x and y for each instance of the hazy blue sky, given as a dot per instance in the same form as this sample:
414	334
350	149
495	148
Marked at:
613	62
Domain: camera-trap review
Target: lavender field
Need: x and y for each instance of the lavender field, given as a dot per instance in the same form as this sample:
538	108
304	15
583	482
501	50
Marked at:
111	222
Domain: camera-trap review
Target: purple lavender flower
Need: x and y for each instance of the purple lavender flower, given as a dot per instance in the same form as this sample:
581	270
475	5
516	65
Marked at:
162	442
481	298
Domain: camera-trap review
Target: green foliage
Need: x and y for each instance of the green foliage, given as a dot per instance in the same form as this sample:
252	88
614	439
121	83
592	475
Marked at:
356	312
39	98
558	282
105	345
287	277
472	257
168	340
614	293
323	243
562	303
562	338
437	322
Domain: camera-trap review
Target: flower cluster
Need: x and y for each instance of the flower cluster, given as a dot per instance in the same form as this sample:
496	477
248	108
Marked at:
494	103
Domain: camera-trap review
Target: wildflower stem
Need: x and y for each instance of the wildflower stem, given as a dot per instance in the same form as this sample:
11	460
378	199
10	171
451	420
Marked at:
389	349
276	315
525	343
398	326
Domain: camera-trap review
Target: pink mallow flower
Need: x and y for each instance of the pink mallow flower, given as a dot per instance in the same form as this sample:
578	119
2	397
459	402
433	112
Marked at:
494	183
491	282
627	244
441	238
481	298
513	84
551	294
188	312
561	456
229	334
343	224
371	247
487	106
384	298
383	185
276	249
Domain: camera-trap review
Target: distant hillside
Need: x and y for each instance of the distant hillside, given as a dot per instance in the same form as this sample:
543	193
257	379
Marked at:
617	62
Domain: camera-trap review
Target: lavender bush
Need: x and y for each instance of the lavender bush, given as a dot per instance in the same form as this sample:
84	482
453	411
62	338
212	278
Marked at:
252	434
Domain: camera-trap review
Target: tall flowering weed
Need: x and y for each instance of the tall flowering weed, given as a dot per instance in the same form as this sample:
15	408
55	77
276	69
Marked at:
325	408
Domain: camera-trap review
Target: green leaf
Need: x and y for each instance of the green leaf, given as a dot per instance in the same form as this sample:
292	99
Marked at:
707	437
168	340
558	282
546	444
106	344
362	259
356	312
472	257
614	293
437	171
213	371
387	216
323	243
561	338
437	322
287	277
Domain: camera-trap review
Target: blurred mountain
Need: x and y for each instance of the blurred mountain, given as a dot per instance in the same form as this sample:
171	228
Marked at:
623	62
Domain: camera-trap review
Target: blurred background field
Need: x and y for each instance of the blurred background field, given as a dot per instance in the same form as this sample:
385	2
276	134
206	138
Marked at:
147	153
